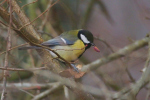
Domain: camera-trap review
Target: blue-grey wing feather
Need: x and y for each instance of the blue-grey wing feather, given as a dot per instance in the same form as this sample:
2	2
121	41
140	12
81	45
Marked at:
64	39
53	42
58	41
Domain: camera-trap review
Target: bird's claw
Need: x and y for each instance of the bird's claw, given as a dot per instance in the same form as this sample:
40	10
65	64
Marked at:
75	68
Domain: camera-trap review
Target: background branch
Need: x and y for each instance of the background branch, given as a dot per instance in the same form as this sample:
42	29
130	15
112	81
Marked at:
47	92
71	83
29	34
122	52
6	62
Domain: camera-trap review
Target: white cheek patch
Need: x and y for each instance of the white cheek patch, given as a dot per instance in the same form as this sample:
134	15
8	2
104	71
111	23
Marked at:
84	39
63	40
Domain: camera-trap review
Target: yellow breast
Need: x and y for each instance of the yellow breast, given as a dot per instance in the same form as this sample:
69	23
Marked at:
72	52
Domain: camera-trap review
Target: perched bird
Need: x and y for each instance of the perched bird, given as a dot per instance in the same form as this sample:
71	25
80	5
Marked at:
69	45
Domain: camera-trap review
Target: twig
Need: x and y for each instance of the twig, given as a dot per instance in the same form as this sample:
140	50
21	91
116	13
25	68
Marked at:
19	69
87	14
13	48
104	10
32	58
129	74
135	88
108	80
105	44
3	2
42	32
26	92
101	85
19	77
3	23
122	52
47	92
71	83
7	25
121	93
66	92
147	18
69	13
147	61
5	76
3	96
29	4
39	15
124	64
148	92
29	86
46	16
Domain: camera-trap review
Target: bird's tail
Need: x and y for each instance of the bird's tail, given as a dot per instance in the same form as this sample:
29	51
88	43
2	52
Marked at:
29	47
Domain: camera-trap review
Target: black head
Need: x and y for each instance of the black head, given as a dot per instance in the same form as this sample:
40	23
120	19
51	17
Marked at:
86	37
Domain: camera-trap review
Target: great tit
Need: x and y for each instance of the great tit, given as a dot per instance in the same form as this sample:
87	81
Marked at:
70	45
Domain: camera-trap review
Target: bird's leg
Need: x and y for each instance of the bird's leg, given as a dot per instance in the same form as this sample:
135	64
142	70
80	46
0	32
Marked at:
72	65
75	68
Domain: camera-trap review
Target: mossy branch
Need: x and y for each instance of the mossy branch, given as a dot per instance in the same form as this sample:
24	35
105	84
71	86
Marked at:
29	34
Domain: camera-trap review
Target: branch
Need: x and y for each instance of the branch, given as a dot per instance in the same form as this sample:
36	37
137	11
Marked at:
122	52
29	86
3	96
13	48
46	16
123	63
87	14
47	92
29	34
19	69
29	4
71	83
131	92
29	23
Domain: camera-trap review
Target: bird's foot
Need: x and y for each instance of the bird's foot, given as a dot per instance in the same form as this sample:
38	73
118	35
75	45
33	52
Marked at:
75	68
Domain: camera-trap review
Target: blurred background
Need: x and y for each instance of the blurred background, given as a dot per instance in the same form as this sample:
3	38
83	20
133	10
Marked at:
114	24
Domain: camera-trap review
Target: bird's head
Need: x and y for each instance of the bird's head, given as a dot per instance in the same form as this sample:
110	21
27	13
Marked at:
87	38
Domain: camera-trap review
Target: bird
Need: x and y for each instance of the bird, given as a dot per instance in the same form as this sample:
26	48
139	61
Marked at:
69	45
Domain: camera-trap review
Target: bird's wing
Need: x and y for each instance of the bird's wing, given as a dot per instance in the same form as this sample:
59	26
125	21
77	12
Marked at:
66	38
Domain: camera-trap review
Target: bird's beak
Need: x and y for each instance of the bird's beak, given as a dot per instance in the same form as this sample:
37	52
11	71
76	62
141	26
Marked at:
95	47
